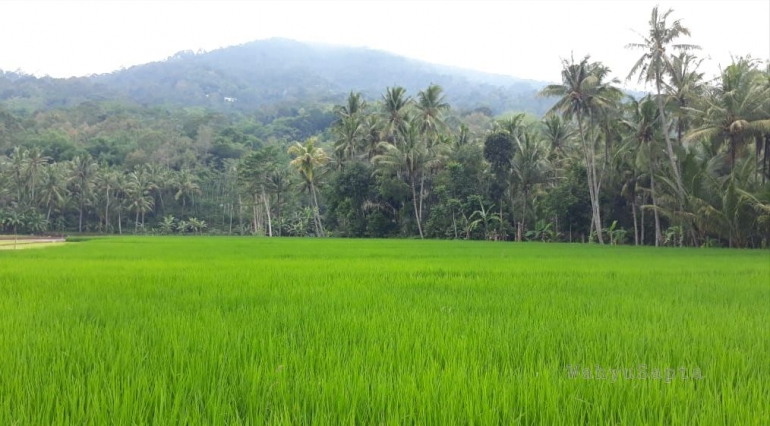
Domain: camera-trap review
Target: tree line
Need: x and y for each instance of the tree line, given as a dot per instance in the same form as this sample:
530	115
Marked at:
686	165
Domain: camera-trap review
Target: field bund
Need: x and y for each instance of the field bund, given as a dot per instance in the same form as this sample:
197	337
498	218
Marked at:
320	331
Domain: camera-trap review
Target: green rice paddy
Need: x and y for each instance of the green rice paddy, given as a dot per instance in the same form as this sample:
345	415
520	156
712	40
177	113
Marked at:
215	331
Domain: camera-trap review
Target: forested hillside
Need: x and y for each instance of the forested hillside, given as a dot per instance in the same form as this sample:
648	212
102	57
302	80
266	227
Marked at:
191	146
271	72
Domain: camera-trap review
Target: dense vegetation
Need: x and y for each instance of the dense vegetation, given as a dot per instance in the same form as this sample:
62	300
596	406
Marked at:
265	73
686	165
174	330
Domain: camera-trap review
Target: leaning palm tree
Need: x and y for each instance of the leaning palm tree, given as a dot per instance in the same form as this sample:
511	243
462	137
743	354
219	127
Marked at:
655	64
309	159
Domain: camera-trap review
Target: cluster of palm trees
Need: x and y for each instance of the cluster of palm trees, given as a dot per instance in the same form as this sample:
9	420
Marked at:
680	154
83	195
688	164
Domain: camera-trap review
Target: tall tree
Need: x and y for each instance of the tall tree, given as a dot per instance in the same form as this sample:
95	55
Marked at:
82	172
309	160
655	64
407	158
645	131
583	92
735	109
394	113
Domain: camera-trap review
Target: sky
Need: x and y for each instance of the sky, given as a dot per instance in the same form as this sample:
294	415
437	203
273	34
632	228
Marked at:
525	39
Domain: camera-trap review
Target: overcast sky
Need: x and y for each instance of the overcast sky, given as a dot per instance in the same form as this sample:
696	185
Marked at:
524	39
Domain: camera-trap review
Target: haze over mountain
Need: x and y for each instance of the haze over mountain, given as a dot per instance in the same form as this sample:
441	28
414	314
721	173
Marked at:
273	71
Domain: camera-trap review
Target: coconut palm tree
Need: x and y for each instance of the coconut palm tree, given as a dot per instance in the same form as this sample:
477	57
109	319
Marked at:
309	161
557	133
407	158
140	203
644	125
186	185
349	134
735	110
684	87
430	108
82	170
655	64
17	167
530	168
394	112
104	183
34	163
355	106
582	95
53	188
350	128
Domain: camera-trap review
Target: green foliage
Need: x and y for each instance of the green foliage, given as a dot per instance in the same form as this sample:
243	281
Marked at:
125	152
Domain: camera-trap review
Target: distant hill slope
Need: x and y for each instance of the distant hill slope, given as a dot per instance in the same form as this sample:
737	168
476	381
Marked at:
275	71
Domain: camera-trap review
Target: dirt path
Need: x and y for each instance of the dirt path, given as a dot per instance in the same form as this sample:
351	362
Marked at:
25	243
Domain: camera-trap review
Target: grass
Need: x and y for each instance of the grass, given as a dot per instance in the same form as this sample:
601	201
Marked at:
310	331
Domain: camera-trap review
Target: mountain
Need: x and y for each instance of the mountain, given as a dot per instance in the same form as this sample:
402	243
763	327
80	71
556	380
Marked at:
270	72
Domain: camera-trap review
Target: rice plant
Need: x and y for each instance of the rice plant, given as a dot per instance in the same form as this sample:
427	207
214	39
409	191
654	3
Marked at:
186	330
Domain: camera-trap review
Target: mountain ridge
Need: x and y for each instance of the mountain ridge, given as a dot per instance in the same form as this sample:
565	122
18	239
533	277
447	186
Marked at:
273	71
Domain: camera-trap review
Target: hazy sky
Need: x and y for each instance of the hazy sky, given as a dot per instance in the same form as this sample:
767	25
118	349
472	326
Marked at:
520	38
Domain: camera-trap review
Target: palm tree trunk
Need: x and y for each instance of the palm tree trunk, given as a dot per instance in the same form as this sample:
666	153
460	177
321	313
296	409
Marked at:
641	220
669	147
230	232
267	209
454	222
636	228
318	210
766	158
733	148
80	223
120	221
107	211
278	210
254	213
655	208
240	214
414	202
136	222
422	184
591	175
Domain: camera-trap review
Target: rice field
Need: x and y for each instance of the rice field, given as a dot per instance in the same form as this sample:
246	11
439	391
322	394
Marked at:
215	331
